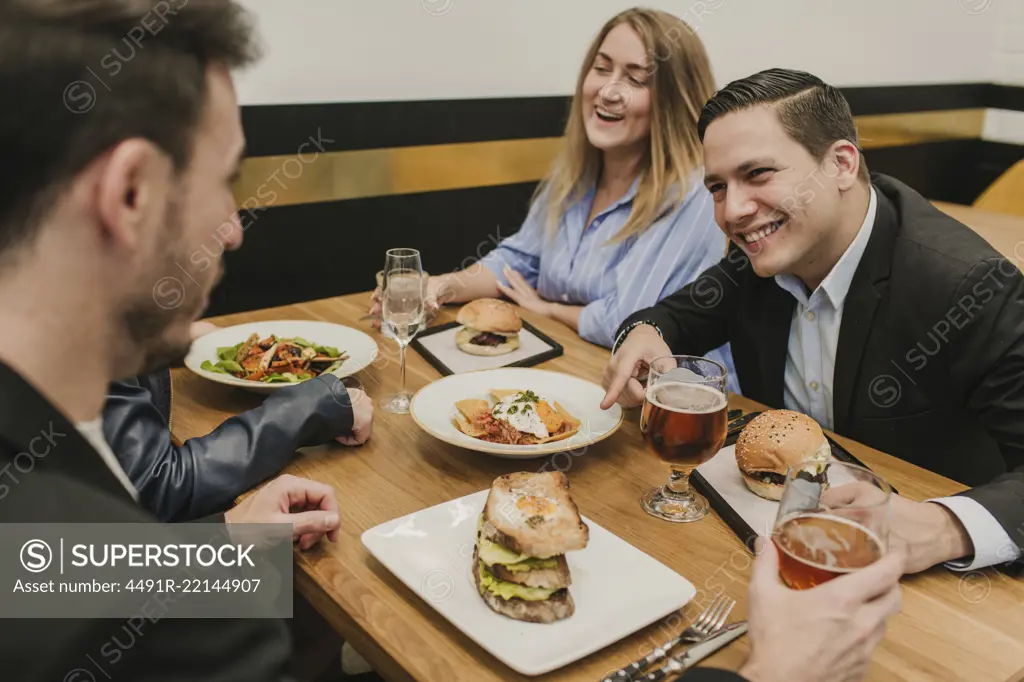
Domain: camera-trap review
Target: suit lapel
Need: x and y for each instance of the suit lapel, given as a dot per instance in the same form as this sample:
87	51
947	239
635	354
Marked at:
858	316
860	307
52	443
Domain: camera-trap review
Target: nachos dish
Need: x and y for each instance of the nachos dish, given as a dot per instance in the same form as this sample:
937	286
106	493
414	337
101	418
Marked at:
516	417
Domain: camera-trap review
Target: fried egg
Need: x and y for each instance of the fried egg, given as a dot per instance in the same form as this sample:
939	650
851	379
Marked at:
521	414
535	505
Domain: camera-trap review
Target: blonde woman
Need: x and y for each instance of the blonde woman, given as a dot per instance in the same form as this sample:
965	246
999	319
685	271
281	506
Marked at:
622	219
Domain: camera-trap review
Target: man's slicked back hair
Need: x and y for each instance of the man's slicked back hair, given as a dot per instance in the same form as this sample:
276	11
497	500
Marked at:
812	112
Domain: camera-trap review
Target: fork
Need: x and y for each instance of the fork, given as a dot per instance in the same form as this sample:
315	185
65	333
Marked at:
707	623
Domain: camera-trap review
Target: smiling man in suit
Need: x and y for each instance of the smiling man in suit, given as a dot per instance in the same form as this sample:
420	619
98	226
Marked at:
852	299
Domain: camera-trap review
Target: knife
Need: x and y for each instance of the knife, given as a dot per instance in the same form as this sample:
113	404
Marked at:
698	652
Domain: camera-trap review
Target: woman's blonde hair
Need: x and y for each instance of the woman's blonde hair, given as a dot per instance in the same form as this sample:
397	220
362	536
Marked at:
681	81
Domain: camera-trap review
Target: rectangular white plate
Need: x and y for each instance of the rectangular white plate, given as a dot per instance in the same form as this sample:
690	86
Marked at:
442	345
617	588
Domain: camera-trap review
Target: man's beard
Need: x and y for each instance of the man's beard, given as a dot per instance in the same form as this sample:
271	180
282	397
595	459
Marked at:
147	319
147	326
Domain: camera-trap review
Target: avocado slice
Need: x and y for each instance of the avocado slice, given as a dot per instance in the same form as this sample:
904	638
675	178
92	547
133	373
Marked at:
507	590
532	565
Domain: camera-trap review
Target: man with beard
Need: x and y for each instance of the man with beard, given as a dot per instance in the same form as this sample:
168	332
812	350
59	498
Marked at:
105	195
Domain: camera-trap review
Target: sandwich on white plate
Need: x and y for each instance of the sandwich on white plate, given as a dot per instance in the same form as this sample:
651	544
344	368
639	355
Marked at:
775	441
490	327
528	524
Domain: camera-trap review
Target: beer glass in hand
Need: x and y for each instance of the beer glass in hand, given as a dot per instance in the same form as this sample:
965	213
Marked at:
818	534
683	422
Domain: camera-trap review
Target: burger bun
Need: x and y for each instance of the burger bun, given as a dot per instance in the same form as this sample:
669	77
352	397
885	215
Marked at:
772	443
767	490
466	334
492	316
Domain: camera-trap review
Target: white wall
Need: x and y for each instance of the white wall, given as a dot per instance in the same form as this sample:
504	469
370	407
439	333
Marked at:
1009	42
365	50
1008	126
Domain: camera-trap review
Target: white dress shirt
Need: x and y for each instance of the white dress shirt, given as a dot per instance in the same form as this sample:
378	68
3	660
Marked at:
810	365
814	331
93	432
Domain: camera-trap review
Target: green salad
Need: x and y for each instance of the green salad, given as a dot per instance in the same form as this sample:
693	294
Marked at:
275	360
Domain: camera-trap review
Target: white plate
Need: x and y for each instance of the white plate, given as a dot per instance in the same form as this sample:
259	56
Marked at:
361	349
617	588
433	408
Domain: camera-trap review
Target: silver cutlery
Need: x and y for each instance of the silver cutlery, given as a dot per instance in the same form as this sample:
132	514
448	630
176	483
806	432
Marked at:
698	652
706	624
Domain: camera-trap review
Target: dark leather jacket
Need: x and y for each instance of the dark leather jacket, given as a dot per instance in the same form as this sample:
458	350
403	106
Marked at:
205	475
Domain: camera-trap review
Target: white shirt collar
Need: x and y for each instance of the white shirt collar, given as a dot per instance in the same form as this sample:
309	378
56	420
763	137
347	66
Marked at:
836	284
93	432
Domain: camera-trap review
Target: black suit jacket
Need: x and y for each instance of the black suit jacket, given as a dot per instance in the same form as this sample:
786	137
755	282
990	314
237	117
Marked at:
204	475
930	359
49	473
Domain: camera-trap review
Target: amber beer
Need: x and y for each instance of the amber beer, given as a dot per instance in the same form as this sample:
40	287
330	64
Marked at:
815	548
683	423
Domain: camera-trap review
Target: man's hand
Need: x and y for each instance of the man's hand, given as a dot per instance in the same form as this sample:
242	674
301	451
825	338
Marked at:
310	507
825	634
362	418
643	345
926	532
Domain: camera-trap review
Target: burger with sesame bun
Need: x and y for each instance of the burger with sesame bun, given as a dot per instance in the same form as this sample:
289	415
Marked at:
490	327
775	441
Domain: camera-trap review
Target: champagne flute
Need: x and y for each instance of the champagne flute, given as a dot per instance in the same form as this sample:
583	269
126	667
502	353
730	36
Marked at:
403	311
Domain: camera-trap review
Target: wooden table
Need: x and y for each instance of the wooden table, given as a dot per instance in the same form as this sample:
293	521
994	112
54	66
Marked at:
950	628
1003	231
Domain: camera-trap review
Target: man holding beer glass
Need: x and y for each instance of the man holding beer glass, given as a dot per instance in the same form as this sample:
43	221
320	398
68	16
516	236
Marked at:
831	277
823	628
823	634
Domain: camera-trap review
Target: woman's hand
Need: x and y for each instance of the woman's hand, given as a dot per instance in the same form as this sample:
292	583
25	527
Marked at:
201	328
432	296
523	294
375	308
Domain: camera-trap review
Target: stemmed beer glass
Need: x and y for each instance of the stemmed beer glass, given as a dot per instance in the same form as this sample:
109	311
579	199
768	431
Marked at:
684	423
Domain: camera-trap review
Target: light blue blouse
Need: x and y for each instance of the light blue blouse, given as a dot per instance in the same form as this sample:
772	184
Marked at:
612	281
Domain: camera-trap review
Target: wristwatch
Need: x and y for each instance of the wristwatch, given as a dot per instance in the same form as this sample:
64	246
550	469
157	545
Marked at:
630	327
